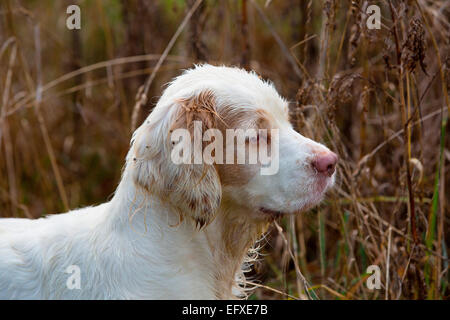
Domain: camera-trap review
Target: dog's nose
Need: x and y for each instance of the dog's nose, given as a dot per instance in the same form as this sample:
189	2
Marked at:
325	163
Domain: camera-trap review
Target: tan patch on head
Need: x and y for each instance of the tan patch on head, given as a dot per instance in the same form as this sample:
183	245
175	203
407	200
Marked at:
234	174
265	120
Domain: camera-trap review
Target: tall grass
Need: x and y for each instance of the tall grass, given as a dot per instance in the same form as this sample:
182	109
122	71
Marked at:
379	98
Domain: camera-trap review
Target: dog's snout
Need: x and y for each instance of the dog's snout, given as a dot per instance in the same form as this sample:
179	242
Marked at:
325	163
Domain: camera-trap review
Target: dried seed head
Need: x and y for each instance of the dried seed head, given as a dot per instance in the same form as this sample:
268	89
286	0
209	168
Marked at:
305	95
340	89
355	33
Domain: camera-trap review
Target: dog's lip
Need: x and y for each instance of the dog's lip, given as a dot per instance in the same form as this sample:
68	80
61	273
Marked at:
272	213
275	214
321	186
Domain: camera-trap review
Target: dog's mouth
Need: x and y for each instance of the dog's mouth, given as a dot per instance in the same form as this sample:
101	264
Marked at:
272	214
320	188
275	214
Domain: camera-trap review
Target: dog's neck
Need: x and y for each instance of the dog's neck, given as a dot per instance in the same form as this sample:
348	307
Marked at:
222	247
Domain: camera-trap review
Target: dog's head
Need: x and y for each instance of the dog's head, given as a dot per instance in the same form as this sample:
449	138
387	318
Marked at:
222	136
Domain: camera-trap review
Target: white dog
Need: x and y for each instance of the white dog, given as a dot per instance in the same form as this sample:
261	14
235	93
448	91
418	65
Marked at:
172	231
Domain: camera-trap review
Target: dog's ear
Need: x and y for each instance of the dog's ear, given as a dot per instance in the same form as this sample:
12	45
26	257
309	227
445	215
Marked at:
192	188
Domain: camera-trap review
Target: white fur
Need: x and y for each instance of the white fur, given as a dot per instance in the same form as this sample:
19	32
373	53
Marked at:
135	247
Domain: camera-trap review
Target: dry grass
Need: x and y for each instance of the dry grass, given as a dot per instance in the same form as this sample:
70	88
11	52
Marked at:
379	98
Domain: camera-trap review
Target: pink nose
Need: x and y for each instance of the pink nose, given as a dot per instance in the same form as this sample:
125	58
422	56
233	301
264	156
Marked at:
325	163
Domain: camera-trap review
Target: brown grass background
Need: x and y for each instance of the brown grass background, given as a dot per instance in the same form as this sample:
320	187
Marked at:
379	98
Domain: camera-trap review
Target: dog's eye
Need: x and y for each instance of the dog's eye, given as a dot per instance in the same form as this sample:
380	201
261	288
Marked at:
252	139
258	138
